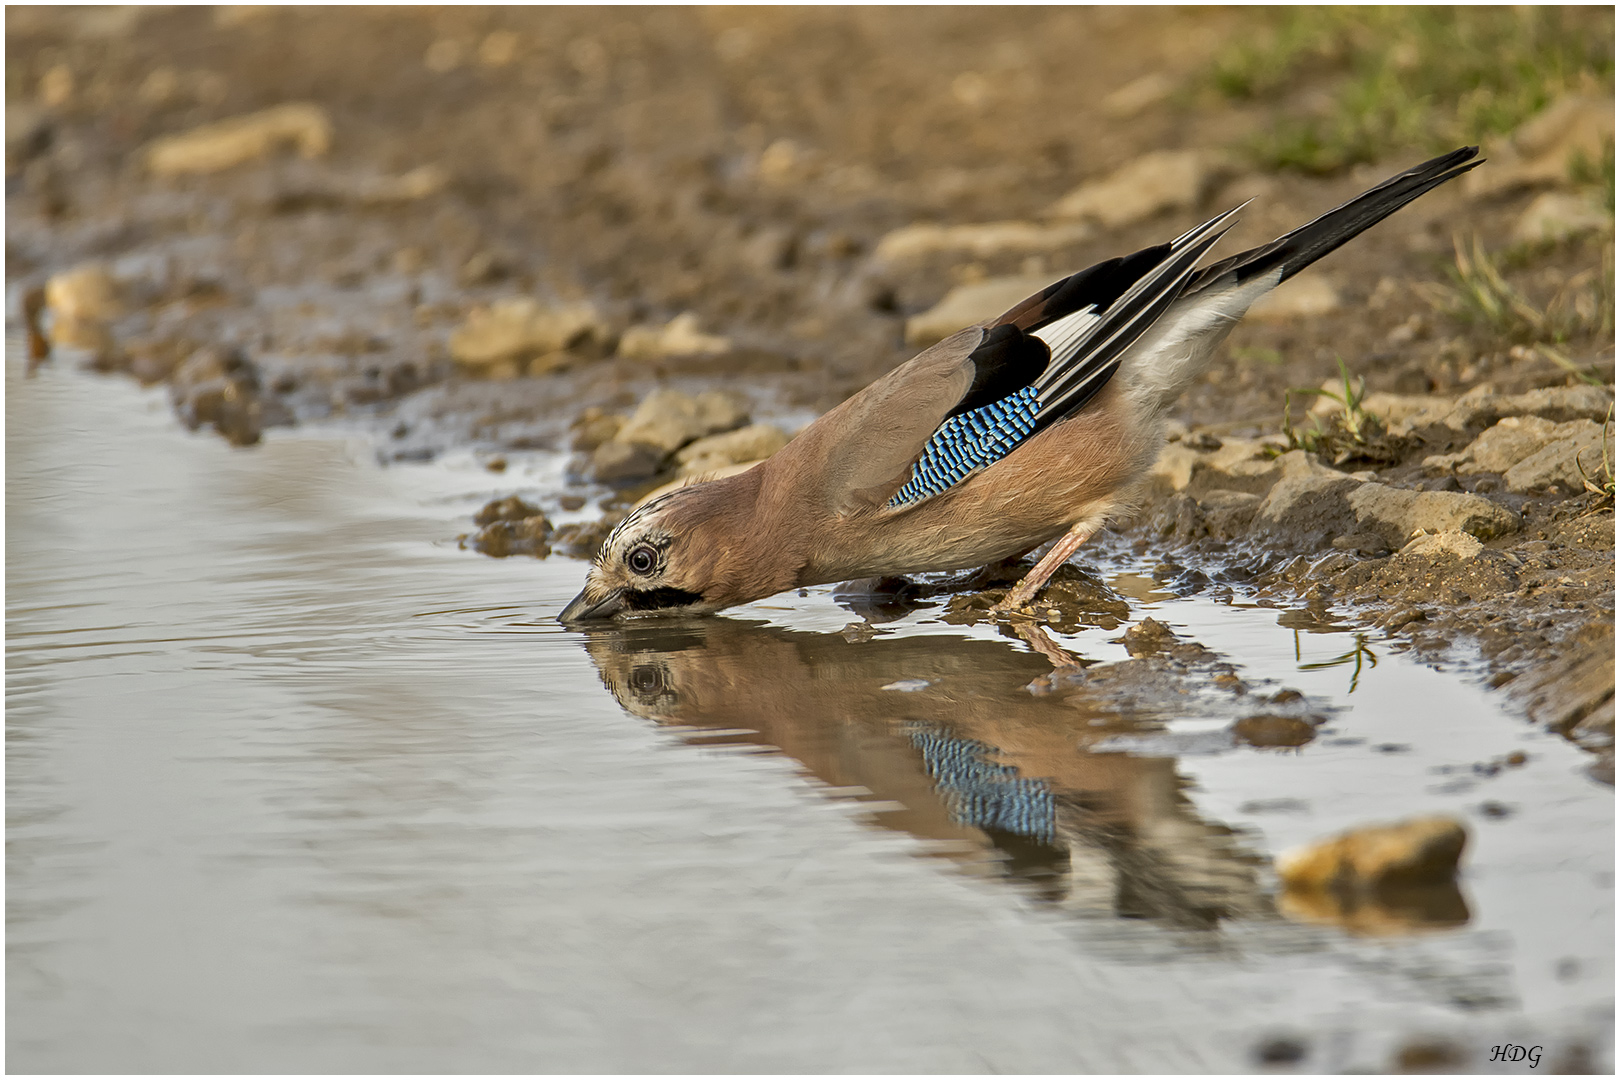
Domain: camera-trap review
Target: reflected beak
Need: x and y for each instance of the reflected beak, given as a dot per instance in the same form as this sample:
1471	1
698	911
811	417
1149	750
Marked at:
588	606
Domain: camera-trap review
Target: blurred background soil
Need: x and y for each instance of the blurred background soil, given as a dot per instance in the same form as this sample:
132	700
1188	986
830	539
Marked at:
472	225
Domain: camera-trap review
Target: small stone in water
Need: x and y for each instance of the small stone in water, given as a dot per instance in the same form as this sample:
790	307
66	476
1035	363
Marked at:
511	508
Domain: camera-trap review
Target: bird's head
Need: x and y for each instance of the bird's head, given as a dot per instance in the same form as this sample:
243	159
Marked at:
685	552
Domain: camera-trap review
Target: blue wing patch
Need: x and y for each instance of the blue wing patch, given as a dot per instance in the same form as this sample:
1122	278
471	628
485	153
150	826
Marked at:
968	442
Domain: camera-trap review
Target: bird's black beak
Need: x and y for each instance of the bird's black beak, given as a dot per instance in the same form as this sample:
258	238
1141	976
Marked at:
589	606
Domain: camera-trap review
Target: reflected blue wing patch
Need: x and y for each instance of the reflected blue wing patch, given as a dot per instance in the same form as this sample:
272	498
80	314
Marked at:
980	792
966	443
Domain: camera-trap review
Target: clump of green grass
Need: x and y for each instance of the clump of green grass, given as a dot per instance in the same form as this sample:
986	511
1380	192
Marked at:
1480	294
1350	434
1430	78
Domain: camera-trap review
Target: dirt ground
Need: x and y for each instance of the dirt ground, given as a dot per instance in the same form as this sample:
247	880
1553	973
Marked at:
744	165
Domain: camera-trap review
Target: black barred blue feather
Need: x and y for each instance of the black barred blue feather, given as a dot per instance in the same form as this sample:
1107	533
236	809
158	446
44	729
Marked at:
968	442
981	793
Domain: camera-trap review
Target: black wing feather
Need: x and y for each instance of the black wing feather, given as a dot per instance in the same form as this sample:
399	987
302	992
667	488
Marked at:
1298	249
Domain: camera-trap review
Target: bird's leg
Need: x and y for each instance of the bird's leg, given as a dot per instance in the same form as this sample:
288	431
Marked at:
1033	582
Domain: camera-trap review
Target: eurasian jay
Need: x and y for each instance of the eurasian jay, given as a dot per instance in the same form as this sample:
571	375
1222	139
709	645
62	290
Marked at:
1039	425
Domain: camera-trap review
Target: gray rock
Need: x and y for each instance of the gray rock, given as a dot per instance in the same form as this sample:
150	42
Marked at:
1396	515
1228	514
1233	465
1482	406
1362	543
1307	510
668	419
1568	461
1538	153
616	462
1510	441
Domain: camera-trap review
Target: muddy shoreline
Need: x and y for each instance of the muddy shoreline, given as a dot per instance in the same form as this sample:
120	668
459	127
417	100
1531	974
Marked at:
513	240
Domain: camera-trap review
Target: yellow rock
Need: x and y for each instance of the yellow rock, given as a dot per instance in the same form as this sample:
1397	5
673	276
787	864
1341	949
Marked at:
87	293
748	444
1451	542
1156	182
679	337
1539	153
1419	851
520	329
969	304
1301	297
990	239
221	145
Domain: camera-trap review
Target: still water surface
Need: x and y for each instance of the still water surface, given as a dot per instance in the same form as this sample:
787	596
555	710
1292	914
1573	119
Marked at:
294	784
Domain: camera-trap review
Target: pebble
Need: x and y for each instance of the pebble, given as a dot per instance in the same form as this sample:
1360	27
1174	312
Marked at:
226	143
679	337
1450	543
1267	730
752	443
511	508
593	428
502	538
966	305
521	331
1556	215
1417	851
668	419
1154	183
1308	295
616	462
989	240
86	293
220	387
1538	152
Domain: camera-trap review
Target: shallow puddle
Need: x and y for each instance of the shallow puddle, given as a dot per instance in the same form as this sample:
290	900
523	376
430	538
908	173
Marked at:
295	784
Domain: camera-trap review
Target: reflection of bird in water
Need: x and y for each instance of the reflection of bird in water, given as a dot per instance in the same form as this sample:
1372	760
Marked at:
944	727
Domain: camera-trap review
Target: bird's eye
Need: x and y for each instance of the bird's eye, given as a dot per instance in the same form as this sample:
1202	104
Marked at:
643	560
647	680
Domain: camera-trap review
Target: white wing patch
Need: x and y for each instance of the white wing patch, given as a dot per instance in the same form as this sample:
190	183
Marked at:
1062	337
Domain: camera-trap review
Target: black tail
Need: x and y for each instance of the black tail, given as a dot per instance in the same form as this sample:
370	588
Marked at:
1306	244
